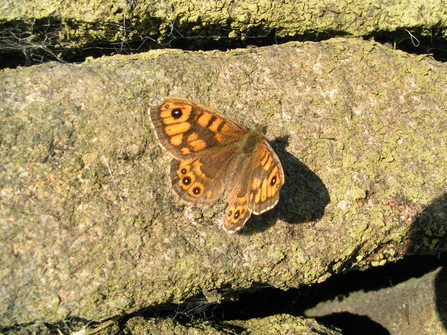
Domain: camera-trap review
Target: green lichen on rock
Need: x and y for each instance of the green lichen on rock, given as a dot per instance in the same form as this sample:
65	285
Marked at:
81	24
87	206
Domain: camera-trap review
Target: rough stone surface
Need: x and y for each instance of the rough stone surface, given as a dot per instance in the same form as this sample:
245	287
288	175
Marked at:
282	324
417	306
77	24
89	226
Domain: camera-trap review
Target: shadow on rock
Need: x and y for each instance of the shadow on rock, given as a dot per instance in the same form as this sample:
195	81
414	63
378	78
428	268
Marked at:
428	236
353	324
304	196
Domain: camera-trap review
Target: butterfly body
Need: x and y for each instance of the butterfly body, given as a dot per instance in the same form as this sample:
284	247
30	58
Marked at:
214	157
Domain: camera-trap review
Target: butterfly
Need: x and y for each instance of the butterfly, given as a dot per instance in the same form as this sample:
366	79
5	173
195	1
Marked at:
215	157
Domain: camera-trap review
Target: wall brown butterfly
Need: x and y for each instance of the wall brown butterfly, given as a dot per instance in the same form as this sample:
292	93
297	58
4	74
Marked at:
214	157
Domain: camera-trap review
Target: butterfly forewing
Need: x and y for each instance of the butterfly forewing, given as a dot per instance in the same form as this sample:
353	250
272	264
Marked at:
188	130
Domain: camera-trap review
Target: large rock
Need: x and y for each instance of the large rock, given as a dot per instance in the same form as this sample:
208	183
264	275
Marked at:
91	229
132	25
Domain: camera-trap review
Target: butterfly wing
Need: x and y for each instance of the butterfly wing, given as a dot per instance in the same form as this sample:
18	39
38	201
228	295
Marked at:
267	179
215	156
257	189
189	130
204	179
203	144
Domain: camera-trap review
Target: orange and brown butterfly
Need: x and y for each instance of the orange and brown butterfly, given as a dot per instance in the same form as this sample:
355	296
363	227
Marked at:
214	157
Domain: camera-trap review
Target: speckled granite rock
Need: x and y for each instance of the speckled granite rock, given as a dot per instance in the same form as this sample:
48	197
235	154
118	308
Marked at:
90	227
